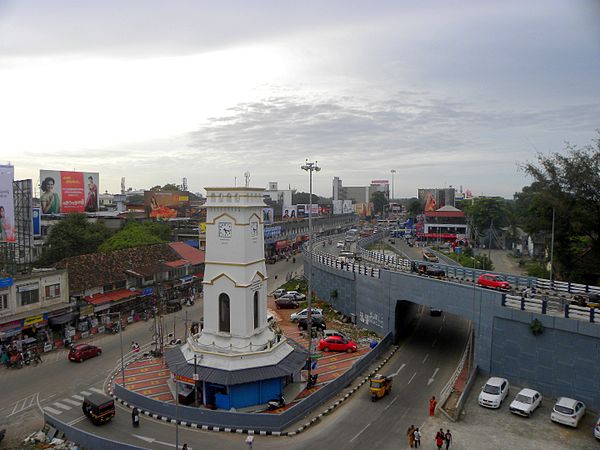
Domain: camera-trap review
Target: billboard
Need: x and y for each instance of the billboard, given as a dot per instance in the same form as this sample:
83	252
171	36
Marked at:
337	206
289	212
68	192
37	222
268	215
167	205
347	207
7	204
434	199
324	210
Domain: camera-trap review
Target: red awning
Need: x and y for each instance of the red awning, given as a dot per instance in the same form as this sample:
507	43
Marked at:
121	294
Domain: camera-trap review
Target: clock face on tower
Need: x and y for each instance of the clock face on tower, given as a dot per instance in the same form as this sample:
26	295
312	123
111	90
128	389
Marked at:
225	229
253	229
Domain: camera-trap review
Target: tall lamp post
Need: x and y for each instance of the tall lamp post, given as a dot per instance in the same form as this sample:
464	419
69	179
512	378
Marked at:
310	167
121	338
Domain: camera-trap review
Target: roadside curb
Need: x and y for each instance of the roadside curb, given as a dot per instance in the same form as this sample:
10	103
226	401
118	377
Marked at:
223	429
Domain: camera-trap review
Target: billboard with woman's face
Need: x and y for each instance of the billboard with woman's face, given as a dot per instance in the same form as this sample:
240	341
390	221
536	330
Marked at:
7	204
68	192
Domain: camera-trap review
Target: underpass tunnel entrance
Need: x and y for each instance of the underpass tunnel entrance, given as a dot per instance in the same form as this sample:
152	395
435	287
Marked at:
405	318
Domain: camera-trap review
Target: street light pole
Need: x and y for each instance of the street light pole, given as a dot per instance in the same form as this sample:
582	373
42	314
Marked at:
552	247
310	167
121	337
393	171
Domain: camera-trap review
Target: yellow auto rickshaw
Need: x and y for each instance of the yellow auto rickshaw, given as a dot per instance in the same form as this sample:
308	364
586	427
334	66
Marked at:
380	385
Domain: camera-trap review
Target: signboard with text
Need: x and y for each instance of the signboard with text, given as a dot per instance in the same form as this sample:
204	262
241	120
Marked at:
68	192
7	204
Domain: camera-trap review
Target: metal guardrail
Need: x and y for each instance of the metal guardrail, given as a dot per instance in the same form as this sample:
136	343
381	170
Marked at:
543	306
466	356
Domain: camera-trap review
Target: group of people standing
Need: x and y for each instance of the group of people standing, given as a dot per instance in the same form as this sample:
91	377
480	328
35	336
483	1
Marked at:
414	438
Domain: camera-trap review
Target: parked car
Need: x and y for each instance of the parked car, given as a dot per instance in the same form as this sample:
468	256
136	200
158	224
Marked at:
286	302
493	281
597	429
494	392
337	344
298	295
295	317
317	323
329	333
279	292
81	352
567	411
526	402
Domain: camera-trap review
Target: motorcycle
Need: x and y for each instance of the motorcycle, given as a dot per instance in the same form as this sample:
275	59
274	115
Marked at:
16	361
312	381
276	403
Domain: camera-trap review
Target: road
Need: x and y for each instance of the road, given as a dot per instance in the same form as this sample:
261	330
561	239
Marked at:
423	364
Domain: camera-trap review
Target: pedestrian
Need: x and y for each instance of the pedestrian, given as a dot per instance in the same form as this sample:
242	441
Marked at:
432	405
417	435
439	439
135	417
448	439
185	447
410	433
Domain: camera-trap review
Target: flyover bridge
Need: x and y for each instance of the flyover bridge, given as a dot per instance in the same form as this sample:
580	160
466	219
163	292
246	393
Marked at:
383	295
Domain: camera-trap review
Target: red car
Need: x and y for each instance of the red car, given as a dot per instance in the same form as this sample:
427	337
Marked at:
492	281
337	344
82	352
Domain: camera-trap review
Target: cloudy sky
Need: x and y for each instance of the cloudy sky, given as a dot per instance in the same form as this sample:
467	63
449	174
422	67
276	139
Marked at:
445	92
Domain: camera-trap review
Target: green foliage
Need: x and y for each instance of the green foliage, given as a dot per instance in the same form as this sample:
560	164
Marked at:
379	200
535	269
136	235
569	184
414	208
536	327
73	236
477	262
300	198
166	188
487	211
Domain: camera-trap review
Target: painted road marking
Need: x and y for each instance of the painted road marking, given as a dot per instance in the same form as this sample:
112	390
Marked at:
52	410
360	432
425	359
23	404
74	421
437	369
398	371
99	391
154	441
85	392
78	397
62	406
392	402
412	378
71	402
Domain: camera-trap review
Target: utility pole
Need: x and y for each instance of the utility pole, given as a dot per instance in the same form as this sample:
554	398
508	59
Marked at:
552	247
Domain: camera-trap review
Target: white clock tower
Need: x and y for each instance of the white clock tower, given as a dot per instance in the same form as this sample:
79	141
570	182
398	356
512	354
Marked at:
236	338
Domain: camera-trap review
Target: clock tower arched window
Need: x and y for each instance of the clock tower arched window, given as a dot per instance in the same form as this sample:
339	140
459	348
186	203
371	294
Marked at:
224	313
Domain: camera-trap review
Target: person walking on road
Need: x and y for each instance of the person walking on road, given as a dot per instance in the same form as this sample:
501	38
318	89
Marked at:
448	439
135	417
417	435
432	405
439	439
410	433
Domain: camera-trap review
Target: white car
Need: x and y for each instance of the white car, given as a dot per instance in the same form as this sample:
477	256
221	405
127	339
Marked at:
526	402
297	295
494	392
279	292
567	411
316	312
329	333
597	429
340	244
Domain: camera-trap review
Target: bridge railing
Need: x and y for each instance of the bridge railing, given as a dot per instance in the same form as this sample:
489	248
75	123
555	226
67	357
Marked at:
545	306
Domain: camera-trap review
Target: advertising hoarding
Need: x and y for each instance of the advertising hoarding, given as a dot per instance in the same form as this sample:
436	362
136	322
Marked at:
434	199
347	207
268	215
167	205
37	222
7	204
337	206
68	192
289	212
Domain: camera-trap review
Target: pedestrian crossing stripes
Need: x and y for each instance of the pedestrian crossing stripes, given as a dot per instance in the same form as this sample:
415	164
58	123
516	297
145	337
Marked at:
65	404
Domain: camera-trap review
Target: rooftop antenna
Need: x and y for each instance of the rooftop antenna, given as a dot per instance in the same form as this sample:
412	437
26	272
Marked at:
122	185
247	177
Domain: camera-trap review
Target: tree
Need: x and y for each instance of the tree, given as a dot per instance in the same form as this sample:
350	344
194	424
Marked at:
136	235
166	188
379	200
73	236
414	208
300	198
569	185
